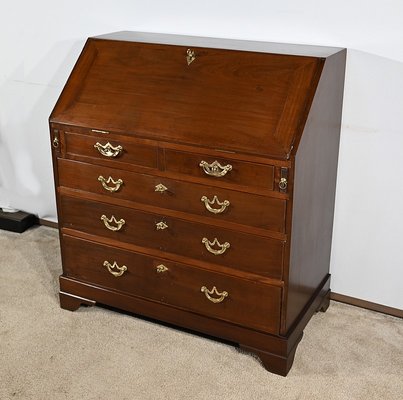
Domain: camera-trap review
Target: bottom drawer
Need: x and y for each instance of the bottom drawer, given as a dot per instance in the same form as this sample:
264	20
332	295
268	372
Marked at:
243	302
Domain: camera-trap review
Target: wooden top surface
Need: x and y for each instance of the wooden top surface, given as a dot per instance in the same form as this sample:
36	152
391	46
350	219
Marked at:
221	43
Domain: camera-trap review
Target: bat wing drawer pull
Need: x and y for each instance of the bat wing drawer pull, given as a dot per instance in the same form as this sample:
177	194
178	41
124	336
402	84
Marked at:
223	247
107	222
108	150
114	268
214	291
215	168
105	182
208	203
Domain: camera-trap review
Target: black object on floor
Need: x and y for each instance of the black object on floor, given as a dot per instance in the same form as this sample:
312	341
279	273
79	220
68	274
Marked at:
17	221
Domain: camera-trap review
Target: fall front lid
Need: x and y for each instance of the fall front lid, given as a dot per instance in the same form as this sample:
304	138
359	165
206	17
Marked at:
113	87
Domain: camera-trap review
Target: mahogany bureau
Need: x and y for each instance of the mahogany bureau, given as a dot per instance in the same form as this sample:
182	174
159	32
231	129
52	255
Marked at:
195	182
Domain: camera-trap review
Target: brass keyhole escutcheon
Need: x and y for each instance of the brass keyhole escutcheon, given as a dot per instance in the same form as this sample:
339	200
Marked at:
160	188
161	226
190	56
161	268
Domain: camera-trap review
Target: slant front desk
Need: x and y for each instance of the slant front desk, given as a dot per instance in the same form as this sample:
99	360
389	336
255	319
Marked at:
195	182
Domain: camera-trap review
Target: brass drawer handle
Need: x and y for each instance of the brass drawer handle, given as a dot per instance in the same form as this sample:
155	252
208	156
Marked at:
283	184
208	204
160	188
108	150
120	270
215	168
117	184
161	268
161	226
214	291
55	141
223	247
190	56
107	223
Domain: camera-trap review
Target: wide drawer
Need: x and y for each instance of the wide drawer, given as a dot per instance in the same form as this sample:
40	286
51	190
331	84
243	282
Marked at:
209	201
235	300
220	169
210	244
108	150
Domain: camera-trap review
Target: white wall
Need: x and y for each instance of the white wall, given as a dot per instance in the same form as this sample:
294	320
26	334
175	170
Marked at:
40	41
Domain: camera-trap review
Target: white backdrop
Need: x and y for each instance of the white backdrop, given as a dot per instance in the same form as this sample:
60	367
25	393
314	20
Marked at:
40	41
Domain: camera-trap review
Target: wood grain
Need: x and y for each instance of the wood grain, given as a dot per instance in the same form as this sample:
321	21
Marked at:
253	210
179	286
260	111
231	100
180	237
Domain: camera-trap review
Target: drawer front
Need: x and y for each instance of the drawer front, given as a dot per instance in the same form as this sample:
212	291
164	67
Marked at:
209	201
235	300
110	151
221	169
233	249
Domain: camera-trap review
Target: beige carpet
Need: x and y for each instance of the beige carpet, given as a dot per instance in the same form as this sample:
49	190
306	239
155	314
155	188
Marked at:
93	353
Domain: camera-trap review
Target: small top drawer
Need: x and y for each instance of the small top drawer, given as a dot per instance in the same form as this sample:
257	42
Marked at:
220	169
110	150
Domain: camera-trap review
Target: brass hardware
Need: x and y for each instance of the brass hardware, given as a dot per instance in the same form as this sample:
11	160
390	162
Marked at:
55	141
120	270
215	168
283	183
107	223
208	203
161	226
161	268
108	150
190	56
117	184
223	247
208	294
98	131
160	188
